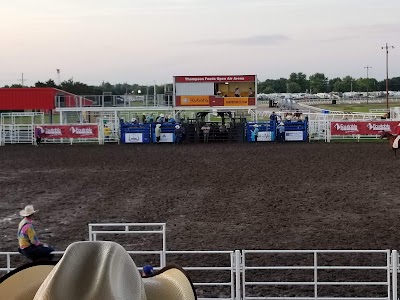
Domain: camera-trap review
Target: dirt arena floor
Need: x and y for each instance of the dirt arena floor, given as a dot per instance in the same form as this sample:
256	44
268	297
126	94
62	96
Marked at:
212	197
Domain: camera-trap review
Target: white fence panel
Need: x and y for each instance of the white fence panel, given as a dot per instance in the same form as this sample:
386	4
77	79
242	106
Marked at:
310	274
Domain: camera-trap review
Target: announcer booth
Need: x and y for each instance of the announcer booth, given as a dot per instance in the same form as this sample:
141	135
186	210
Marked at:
227	92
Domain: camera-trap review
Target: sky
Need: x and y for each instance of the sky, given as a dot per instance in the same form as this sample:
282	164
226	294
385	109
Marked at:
150	41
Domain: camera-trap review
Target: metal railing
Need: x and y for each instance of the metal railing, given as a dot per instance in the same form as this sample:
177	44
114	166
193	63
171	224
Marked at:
315	268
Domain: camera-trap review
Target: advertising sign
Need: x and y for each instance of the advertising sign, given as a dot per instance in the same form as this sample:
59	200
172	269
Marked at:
362	127
264	136
70	131
135	137
294	135
167	137
236	101
225	78
195	100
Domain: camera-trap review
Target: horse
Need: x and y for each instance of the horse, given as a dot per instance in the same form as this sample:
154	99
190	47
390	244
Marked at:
391	138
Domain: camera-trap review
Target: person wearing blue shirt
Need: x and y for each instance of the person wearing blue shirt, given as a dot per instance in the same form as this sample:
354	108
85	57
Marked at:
281	132
255	133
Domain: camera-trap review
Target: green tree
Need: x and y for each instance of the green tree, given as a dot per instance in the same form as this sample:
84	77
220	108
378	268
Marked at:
318	83
293	87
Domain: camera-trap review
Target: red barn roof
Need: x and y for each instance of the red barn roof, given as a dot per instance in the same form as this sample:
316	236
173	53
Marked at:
32	98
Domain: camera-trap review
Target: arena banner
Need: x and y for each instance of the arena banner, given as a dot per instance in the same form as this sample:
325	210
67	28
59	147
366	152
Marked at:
294	135
195	100
225	78
362	127
236	101
70	131
265	136
133	137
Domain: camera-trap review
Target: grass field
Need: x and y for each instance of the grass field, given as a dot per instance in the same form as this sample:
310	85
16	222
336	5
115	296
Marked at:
352	107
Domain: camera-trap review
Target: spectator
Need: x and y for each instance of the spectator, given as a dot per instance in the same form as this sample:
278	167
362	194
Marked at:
251	92
178	134
39	131
157	132
160	119
107	132
171	119
237	92
28	241
148	271
281	132
254	133
134	121
273	117
150	119
206	132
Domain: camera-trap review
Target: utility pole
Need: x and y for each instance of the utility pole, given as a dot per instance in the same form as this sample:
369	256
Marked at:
367	67
58	77
22	80
387	75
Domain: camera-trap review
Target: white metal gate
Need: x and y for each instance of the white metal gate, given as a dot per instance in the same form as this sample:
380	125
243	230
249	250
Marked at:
313	274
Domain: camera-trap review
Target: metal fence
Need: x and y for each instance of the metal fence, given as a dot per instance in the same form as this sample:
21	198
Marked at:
260	274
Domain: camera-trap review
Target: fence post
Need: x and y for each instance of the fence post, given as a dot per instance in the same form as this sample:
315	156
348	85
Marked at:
395	264
238	264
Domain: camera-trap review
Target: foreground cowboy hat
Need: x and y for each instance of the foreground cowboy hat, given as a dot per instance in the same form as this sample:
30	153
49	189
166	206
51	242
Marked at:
97	271
27	211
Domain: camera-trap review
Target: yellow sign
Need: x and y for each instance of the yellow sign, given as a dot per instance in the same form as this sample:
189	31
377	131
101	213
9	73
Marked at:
236	101
195	100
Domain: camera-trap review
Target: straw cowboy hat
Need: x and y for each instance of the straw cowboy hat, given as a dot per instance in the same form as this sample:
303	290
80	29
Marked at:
27	211
255	125
281	123
158	125
96	271
177	126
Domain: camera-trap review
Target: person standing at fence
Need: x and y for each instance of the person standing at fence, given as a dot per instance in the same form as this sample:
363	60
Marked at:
254	133
28	241
178	134
157	132
206	132
281	132
39	131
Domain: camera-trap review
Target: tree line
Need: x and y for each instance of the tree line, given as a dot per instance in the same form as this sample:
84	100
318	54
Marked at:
296	83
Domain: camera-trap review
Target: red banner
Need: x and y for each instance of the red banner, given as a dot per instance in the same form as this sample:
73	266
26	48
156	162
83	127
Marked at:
70	131
361	127
225	78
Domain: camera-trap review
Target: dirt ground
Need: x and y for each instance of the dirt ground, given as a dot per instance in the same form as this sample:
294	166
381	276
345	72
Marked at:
212	197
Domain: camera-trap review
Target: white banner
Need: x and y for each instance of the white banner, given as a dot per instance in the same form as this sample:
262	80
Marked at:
167	137
294	135
133	138
264	136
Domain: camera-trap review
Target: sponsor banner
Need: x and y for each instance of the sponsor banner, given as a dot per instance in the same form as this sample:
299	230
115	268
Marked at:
195	100
236	101
70	131
225	78
362	127
133	137
167	137
294	135
264	136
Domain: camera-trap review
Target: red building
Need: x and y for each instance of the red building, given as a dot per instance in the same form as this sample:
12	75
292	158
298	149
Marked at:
44	99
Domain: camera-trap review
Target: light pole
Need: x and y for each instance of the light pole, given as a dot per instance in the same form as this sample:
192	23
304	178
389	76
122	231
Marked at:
367	67
387	75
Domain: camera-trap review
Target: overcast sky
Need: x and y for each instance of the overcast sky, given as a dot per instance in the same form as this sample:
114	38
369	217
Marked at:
142	41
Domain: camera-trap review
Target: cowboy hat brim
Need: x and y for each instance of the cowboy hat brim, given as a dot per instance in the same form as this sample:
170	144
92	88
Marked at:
104	270
23	282
23	213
